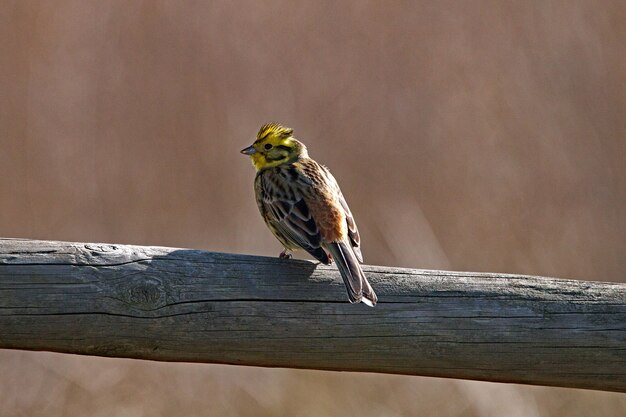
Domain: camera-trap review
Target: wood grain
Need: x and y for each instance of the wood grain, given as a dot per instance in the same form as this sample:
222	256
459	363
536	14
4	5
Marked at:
188	305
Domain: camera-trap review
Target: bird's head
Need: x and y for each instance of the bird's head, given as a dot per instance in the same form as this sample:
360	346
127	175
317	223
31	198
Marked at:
274	146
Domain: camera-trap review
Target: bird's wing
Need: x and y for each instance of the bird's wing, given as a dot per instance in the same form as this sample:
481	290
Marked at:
353	231
286	211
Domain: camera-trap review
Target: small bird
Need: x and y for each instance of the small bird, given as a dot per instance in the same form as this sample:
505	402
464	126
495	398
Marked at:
302	205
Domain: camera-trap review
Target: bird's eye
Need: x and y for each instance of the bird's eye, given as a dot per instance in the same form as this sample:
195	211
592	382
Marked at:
268	146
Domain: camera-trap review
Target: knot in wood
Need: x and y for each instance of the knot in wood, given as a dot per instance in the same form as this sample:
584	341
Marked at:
95	252
146	293
100	247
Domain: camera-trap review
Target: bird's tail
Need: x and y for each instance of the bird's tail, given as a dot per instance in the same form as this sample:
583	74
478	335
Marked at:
353	277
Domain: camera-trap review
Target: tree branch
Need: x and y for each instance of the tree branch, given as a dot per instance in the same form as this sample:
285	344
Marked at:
188	305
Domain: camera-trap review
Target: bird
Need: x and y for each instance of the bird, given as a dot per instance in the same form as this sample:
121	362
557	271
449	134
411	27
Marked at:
302	205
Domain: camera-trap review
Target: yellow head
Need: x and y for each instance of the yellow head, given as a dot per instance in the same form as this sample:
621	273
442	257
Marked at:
274	146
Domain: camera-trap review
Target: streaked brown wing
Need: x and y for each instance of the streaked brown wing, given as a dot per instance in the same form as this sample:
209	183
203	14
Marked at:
353	231
287	212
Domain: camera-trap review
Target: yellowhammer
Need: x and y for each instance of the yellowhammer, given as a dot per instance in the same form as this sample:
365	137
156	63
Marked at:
302	205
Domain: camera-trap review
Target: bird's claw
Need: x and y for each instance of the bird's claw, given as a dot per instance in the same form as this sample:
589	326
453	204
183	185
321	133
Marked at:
285	255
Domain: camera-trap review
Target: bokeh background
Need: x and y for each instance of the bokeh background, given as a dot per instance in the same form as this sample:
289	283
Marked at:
478	135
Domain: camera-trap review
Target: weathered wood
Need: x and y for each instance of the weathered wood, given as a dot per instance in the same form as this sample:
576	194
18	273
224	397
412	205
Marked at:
188	305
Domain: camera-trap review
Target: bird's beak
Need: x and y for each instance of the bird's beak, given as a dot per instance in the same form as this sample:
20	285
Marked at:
249	150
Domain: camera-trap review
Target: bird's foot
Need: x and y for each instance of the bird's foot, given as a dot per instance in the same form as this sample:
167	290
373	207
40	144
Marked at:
330	259
285	255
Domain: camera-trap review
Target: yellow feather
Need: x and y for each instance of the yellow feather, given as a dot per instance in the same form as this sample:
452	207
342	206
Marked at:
274	146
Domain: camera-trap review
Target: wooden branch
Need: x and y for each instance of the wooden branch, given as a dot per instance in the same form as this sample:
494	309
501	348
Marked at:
189	305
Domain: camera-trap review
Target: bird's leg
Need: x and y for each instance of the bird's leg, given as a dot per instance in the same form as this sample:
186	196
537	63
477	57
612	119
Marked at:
330	259
285	254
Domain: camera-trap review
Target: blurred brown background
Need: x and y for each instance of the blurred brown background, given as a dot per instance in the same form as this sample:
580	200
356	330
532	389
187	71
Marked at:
487	136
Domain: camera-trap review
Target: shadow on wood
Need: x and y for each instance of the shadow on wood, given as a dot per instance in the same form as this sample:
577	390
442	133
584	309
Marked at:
188	305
